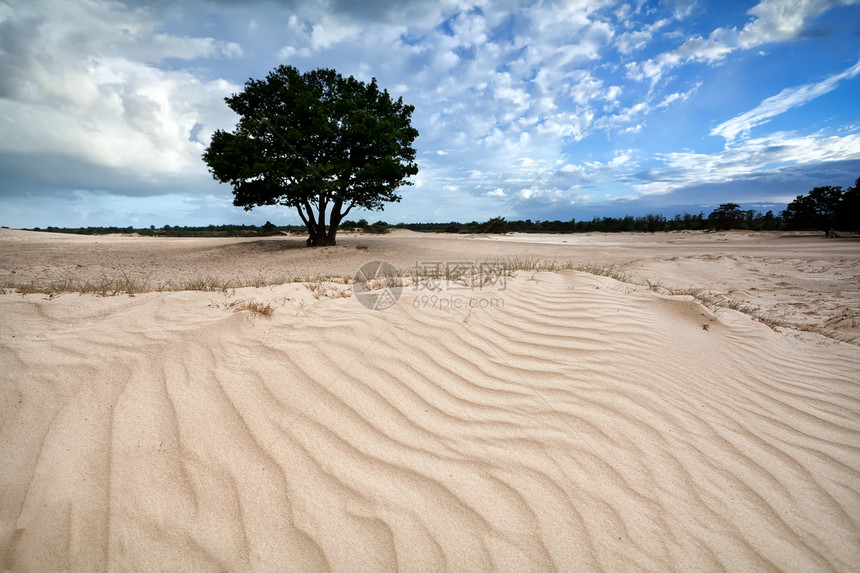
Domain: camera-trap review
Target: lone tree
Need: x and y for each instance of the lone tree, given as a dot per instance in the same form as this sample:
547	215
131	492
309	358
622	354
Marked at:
727	216
317	142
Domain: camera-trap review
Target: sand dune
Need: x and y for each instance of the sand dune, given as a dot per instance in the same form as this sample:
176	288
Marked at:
799	279
561	421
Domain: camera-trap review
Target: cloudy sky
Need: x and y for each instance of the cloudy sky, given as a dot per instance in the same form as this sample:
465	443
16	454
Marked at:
541	110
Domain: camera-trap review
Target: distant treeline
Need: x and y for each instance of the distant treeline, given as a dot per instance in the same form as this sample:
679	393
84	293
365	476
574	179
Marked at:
648	223
729	216
822	209
177	231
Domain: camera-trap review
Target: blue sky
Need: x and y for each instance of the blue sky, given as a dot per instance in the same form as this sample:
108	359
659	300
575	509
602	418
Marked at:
535	110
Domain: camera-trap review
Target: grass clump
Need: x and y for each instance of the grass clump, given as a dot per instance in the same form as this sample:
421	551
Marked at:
328	287
252	306
104	286
610	271
208	284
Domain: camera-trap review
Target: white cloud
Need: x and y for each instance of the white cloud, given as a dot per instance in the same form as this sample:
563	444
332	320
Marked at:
636	40
94	99
509	95
613	92
683	8
754	156
785	100
502	82
232	50
773	21
782	20
470	29
621	158
630	42
163	46
444	61
679	96
331	31
625	117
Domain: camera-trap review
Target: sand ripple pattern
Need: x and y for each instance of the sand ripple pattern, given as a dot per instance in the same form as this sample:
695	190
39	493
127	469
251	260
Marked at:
584	425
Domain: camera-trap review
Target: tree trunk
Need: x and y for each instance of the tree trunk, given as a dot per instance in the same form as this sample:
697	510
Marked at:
322	239
320	235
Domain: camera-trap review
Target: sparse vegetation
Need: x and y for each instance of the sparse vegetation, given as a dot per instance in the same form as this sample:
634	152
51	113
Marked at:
252	306
327	286
477	274
125	285
249	304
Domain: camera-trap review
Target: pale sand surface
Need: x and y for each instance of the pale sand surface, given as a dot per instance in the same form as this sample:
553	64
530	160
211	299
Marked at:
799	278
567	421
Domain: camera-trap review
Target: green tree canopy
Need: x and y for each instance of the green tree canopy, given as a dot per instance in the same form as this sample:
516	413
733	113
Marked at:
317	142
814	210
495	225
848	212
727	216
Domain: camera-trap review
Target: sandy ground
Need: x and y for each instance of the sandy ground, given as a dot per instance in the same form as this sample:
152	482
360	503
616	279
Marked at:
797	278
548	421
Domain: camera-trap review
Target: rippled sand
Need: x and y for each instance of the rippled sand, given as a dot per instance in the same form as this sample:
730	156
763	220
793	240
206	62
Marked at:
555	421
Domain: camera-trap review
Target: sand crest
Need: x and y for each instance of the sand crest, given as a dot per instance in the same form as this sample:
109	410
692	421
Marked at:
557	421
794	278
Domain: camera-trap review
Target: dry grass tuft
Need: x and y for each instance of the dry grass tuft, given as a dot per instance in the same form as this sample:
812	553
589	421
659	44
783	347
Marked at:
328	287
124	284
462	273
252	306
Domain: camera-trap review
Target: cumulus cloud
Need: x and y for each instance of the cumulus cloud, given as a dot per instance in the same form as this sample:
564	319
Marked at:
93	98
636	40
331	31
528	101
492	83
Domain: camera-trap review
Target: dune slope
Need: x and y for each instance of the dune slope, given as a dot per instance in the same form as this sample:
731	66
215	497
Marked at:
564	422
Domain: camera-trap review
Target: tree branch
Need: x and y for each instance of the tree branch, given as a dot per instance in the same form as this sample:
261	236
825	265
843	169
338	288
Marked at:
348	209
